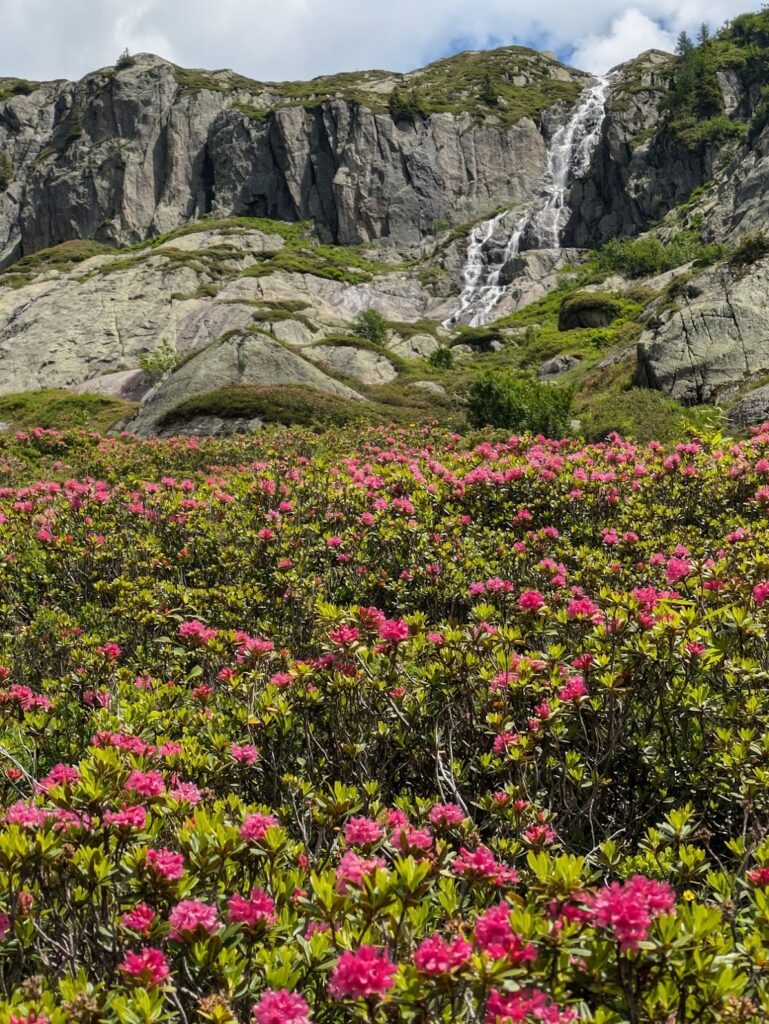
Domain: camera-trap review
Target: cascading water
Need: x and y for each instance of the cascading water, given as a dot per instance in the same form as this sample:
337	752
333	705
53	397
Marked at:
569	155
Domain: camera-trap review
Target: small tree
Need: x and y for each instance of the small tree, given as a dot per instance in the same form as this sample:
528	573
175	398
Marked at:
156	364
489	91
442	358
684	44
406	104
518	401
371	325
125	60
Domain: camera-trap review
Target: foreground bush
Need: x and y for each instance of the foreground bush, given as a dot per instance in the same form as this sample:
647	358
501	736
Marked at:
519	401
392	727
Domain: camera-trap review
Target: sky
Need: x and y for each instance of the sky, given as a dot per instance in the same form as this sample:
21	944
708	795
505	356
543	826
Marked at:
275	40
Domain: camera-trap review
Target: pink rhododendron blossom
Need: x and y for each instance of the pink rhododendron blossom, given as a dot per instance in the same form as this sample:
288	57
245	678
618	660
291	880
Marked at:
140	919
759	877
252	911
191	919
363	832
531	601
244	753
352	870
482	865
628	908
166	864
446	815
281	1007
255	827
528	1004
437	956
494	935
366	971
145	784
126	817
148	968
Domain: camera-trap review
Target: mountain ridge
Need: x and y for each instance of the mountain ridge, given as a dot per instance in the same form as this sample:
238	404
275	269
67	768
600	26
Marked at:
148	201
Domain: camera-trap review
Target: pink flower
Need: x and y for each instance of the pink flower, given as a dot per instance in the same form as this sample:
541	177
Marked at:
412	840
495	936
253	911
191	919
505	740
244	753
524	1005
5	926
352	870
166	864
126	817
394	631
344	636
363	832
628	908
531	601
446	815
148	967
281	1007
761	592
757	876
537	834
146	784
197	632
573	689
254	828
186	793
140	919
678	569
366	971
481	864
110	651
435	955
59	775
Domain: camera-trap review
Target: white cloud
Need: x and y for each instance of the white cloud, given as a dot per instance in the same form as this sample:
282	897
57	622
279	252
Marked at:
279	39
629	34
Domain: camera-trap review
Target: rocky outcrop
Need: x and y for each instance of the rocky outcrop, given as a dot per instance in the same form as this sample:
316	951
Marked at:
750	409
137	150
640	170
361	364
253	359
713	339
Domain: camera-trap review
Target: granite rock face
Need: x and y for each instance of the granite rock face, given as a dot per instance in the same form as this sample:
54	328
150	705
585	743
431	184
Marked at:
137	150
715	338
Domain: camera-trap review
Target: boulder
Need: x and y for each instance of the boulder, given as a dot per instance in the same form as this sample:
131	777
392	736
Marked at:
750	409
557	365
418	346
359	363
237	359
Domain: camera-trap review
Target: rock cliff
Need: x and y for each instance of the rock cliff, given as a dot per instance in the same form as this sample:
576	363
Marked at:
137	150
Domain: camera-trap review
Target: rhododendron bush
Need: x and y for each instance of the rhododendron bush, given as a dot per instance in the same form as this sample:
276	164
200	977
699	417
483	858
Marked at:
392	727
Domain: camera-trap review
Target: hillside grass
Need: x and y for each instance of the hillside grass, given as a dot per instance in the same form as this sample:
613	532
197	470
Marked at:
55	408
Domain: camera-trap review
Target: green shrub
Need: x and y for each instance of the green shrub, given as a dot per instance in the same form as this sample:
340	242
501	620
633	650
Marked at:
371	325
751	249
124	61
648	255
520	402
406	104
441	359
156	364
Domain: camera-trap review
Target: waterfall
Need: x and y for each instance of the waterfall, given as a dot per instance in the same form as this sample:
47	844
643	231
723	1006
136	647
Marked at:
569	154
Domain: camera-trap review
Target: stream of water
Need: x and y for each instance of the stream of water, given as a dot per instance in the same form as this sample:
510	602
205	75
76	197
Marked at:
569	155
